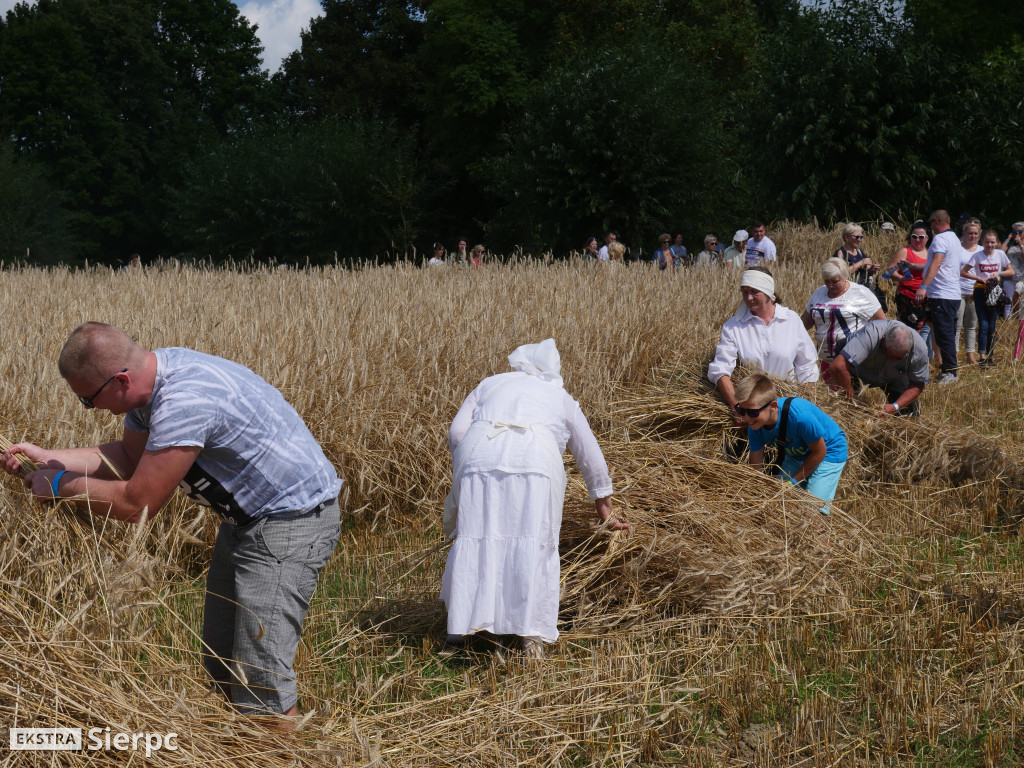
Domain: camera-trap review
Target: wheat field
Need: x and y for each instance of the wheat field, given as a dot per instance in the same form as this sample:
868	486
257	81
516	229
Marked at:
731	628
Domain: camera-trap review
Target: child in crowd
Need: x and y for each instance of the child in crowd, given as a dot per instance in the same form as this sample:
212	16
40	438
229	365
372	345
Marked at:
988	267
814	446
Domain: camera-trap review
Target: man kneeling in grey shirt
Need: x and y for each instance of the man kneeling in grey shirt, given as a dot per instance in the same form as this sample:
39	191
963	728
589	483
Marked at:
889	355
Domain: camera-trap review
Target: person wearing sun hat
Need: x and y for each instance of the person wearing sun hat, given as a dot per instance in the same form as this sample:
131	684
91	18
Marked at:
505	505
735	256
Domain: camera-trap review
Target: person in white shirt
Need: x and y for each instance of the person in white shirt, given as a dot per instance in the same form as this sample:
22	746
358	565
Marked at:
967	315
988	267
941	286
603	254
735	256
762	334
505	506
437	260
760	248
837	310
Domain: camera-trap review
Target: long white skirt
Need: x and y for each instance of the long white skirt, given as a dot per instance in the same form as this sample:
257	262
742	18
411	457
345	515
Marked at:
502	573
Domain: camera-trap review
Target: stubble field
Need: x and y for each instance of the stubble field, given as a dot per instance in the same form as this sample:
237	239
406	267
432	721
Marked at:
728	630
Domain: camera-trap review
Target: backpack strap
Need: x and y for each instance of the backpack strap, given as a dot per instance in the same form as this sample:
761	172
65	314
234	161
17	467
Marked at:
780	441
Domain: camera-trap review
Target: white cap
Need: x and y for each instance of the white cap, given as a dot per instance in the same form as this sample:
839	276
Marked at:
741	236
888	227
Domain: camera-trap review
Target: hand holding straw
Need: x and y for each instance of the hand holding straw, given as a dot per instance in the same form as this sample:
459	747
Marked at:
25	464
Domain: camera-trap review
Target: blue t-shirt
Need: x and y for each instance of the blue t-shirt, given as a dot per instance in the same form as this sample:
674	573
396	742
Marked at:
257	458
807	424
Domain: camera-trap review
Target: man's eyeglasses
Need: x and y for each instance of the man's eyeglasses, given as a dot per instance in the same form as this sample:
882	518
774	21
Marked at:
88	401
751	412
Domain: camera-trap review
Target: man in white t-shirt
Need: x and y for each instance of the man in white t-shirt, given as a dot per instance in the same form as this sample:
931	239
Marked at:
941	286
610	238
760	248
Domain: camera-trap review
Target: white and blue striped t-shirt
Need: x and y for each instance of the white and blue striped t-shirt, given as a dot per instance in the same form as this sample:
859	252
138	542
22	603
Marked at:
257	457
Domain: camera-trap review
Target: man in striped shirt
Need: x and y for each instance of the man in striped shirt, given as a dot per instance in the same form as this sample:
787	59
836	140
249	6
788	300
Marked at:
232	443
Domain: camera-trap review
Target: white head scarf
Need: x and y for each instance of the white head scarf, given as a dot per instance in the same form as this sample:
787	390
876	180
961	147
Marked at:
540	360
758	280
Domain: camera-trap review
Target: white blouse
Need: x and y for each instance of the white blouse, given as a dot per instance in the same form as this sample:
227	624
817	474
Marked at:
781	347
514	422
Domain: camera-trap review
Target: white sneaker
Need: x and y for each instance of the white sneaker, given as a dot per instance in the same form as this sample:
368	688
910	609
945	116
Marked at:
946	378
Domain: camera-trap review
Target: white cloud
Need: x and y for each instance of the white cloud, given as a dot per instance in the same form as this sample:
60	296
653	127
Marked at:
280	22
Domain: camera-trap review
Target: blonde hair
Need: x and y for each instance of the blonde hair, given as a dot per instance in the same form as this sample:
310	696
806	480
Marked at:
757	387
94	350
616	250
852	227
835	267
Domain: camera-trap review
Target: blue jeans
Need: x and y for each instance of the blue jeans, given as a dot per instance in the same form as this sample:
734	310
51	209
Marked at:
986	323
926	334
944	312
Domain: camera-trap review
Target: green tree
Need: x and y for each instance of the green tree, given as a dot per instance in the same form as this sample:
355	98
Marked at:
34	224
282	192
111	96
360	56
617	139
480	58
864	111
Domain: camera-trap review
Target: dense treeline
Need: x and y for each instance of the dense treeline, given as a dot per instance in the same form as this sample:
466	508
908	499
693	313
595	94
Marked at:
148	125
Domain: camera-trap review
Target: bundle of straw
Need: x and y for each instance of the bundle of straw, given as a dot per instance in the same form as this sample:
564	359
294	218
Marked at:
708	537
27	465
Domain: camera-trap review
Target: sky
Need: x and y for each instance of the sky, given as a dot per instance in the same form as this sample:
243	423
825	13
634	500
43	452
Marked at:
280	22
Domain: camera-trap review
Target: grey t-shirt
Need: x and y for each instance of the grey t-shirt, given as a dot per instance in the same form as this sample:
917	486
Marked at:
863	351
257	456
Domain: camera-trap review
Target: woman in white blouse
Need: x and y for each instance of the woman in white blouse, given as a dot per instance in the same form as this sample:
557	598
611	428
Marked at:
837	310
762	334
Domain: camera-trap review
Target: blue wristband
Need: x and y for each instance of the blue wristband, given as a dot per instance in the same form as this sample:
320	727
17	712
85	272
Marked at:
56	482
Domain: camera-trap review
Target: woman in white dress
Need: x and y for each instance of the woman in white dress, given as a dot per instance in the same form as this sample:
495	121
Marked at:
505	506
